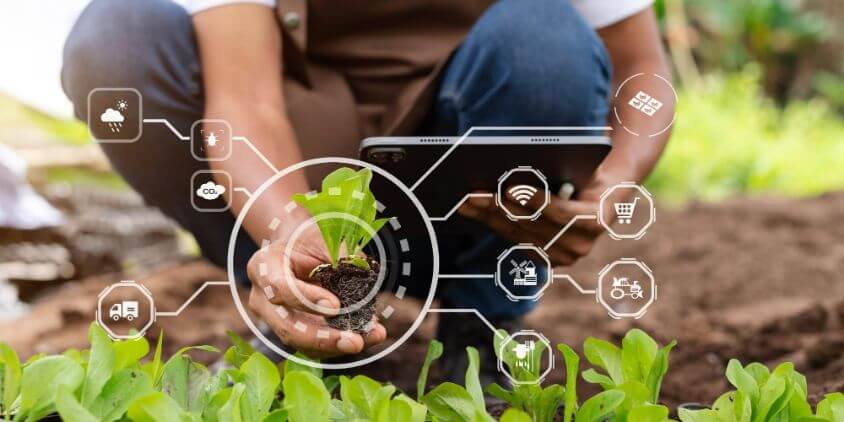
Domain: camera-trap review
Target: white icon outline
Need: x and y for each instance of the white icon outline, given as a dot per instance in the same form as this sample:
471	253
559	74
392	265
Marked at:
499	272
227	186
98	114
193	139
599	293
608	226
500	193
502	367
125	284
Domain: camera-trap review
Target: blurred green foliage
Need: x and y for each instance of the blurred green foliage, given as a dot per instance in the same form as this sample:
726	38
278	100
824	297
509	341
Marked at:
730	139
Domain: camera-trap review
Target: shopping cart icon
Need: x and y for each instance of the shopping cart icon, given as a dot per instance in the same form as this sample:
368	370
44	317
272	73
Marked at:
625	210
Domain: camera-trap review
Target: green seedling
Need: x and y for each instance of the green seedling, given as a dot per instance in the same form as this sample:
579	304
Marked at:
765	396
346	211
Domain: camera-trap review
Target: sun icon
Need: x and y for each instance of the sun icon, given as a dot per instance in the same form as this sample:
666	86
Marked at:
122	105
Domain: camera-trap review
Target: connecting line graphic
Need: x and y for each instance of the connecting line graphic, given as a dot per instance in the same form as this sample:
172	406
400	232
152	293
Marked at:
244	191
481	128
467	311
192	298
465	198
256	151
172	128
575	284
243	139
466	276
568	226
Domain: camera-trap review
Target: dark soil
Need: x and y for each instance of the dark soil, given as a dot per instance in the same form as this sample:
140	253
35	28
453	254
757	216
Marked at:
351	284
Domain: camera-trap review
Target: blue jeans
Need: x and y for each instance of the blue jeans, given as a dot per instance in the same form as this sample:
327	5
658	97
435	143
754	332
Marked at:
524	63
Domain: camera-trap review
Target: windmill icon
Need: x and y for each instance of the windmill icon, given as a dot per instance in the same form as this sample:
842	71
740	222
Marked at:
524	273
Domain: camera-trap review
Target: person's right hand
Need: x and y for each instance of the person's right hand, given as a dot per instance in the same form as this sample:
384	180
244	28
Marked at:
301	325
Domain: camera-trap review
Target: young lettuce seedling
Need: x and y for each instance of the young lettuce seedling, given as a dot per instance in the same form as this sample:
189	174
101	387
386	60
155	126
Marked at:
345	211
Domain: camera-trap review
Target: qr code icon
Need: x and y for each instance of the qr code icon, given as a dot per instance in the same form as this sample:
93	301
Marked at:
645	103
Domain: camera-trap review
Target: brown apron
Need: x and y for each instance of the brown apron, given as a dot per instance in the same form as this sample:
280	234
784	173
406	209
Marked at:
359	68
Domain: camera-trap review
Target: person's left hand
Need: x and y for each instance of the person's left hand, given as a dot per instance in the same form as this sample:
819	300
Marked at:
575	243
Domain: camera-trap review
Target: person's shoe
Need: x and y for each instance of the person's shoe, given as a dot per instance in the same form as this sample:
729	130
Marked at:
459	330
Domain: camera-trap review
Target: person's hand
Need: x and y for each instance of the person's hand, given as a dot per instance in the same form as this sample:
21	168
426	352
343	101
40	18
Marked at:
272	298
575	243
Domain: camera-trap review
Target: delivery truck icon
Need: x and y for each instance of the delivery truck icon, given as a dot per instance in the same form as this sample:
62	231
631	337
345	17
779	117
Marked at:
128	309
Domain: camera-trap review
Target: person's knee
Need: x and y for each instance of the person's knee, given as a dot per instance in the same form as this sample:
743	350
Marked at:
542	54
113	43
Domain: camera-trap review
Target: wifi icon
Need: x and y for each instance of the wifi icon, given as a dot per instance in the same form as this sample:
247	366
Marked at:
522	193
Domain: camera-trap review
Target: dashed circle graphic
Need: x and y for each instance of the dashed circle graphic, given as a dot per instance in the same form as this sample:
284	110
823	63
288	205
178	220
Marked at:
405	267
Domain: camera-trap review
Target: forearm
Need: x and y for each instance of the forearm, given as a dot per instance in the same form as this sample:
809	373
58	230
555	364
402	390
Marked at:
267	128
243	86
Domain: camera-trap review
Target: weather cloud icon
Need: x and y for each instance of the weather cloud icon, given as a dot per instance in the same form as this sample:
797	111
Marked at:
210	191
113	118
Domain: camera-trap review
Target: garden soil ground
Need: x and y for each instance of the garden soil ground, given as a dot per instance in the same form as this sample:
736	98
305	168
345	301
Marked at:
756	279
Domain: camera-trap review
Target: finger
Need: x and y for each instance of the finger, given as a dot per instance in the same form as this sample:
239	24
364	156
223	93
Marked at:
306	332
376	335
281	287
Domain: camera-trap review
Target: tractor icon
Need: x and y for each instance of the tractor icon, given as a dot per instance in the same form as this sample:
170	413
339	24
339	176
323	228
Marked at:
128	309
621	288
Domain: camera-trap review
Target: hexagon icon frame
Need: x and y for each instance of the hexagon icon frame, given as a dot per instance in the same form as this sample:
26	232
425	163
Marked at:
140	288
644	309
608	226
541	338
523	169
524	247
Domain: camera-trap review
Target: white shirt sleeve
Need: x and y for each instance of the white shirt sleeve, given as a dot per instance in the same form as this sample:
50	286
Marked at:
196	6
601	13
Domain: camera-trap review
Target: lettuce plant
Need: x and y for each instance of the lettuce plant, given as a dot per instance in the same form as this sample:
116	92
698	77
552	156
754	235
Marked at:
345	192
449	402
762	396
539	403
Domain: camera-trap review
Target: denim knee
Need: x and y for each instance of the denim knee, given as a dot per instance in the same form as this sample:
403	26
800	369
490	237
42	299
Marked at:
115	43
537	57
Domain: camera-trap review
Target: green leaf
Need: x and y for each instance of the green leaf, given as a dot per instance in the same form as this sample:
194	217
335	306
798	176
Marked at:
597	408
291	366
232	410
450	402
239	351
572	361
657	372
262	380
119	392
100	364
473	380
153	369
129	352
70	409
435	350
635	394
185	381
361	391
638	351
547	402
832	407
306	398
515	415
10	365
418	411
593	377
346	192
279	415
742	380
42	379
704	415
648	413
157	407
499	392
604	355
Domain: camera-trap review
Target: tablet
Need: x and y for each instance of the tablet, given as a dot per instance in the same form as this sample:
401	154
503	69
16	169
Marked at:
478	162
